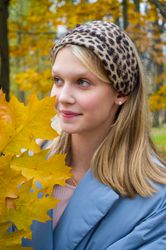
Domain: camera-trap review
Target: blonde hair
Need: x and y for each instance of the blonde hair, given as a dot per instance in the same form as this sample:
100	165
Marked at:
126	159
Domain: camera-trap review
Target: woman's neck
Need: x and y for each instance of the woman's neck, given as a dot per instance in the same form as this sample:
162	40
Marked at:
82	151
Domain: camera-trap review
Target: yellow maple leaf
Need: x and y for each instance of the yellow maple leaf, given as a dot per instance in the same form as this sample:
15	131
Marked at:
23	214
20	203
10	179
11	241
20	125
48	172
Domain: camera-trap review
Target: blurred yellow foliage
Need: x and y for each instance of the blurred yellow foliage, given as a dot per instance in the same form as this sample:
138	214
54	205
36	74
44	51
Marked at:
157	101
35	81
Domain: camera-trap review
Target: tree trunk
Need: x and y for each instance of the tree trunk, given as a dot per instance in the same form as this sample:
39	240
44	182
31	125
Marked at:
125	14
4	48
137	5
164	117
156	122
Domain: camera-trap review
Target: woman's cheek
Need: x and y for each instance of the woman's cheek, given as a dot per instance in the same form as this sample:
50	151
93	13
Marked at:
88	101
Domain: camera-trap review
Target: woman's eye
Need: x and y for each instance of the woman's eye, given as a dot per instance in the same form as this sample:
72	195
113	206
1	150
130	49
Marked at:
84	83
57	81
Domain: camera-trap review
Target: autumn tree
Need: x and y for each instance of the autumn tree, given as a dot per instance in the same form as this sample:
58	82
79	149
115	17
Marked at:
146	27
161	5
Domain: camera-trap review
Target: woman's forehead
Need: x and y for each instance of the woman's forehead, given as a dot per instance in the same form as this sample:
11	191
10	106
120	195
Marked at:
66	60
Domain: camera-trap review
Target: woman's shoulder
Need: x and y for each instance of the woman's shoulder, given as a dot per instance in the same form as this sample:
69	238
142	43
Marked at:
158	198
160	194
142	208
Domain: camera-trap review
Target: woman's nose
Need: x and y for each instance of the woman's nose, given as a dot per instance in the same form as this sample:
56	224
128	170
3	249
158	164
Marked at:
66	94
53	91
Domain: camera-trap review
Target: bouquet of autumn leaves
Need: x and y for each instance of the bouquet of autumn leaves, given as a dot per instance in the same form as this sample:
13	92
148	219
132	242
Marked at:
20	127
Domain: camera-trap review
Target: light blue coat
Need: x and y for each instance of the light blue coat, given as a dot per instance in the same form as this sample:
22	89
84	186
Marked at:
97	218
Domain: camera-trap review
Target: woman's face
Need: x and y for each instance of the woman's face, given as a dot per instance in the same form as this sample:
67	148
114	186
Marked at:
85	104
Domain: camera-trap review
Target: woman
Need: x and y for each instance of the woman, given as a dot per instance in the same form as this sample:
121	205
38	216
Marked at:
116	197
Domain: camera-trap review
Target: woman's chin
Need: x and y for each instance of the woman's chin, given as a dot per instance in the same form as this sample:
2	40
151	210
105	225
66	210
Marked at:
69	130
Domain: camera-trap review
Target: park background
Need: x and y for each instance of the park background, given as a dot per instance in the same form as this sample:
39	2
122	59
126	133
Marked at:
29	28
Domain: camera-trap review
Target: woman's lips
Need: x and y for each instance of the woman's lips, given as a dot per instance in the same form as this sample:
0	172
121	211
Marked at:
68	114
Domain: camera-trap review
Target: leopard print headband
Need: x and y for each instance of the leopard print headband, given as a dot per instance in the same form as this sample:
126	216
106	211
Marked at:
112	46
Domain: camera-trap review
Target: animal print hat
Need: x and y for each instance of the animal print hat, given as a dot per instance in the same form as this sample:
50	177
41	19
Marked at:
112	46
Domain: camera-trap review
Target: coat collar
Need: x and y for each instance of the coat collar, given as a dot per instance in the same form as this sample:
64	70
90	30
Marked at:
88	205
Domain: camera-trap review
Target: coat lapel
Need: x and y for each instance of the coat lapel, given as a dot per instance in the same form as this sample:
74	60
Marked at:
88	205
42	235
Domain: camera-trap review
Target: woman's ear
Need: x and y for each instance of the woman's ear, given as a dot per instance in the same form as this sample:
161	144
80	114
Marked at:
120	99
